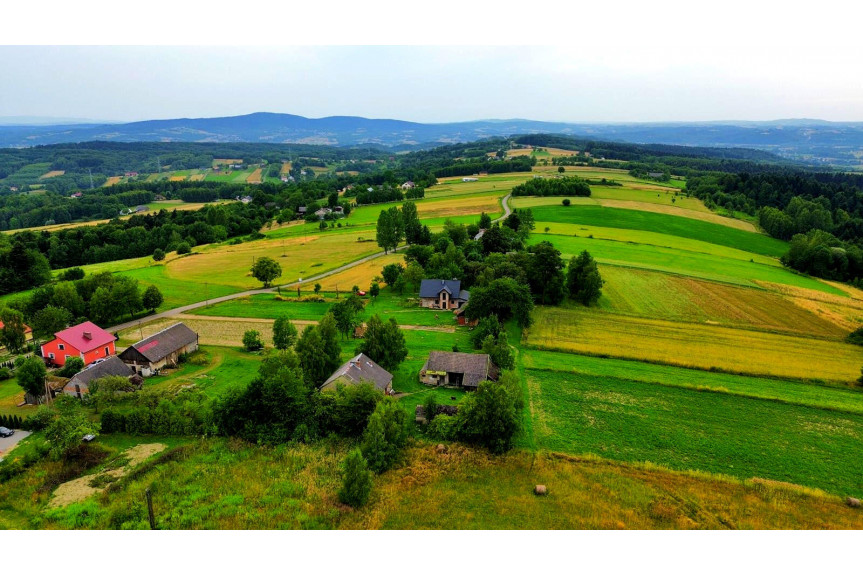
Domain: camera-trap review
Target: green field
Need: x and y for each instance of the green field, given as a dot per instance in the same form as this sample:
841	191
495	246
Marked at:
686	429
681	262
781	390
661	223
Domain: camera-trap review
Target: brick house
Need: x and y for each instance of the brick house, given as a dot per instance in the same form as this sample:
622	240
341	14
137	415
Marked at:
442	294
85	340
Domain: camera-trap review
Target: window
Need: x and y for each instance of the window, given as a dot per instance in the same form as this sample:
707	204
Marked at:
61	346
51	355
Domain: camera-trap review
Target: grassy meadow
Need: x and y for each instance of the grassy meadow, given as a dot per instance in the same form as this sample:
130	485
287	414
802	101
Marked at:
687	429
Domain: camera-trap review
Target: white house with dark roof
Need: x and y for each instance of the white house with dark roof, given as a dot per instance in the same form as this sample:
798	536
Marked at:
360	369
442	294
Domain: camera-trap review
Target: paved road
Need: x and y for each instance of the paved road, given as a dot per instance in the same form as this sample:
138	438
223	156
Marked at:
183	309
7	443
190	307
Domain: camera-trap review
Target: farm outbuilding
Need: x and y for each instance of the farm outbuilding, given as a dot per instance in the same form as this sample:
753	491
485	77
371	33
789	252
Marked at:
161	349
456	369
360	369
113	366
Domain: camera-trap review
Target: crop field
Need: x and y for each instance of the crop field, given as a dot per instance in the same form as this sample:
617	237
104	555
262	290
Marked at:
255	177
839	398
686	429
52	174
225	332
229	265
429	208
360	275
661	223
665	296
681	262
693	345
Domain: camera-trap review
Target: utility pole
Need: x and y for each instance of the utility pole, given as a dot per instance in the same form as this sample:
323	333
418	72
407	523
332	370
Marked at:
150	509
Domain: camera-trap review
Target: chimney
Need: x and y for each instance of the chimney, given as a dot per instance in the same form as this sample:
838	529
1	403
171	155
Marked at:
88	335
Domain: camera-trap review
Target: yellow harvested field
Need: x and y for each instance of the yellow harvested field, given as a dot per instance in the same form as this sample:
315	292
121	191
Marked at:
255	177
211	331
197	177
300	256
845	312
580	330
460	206
177	179
650	294
52	174
360	275
223	161
112	180
285	169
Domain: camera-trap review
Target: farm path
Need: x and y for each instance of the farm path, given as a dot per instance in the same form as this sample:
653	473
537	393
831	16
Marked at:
183	309
506	209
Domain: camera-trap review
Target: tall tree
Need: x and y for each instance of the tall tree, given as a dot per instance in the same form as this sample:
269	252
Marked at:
583	279
284	333
503	297
330	346
412	224
49	320
31	376
546	273
310	352
384	343
152	298
12	335
266	270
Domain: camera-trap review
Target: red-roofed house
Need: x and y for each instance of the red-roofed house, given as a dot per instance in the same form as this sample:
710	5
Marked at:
85	340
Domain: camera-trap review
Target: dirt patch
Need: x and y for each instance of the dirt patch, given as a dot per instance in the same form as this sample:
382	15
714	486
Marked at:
83	487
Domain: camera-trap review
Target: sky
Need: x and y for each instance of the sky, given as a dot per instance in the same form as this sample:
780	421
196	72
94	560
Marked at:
695	66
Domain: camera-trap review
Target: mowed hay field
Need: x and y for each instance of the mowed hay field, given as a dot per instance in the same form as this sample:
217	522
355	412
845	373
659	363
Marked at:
230	265
686	429
431	208
360	275
659	295
579	330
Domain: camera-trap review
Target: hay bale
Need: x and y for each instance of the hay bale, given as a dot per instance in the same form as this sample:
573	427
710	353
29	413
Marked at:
540	490
441	448
852	502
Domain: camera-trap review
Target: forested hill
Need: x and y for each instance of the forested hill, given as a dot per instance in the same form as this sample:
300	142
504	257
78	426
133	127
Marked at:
834	143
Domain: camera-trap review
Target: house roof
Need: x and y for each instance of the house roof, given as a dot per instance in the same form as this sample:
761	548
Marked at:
476	367
77	336
361	369
432	288
27	328
161	344
112	365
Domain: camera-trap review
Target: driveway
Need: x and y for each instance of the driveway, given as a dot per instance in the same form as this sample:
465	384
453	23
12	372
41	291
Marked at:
7	443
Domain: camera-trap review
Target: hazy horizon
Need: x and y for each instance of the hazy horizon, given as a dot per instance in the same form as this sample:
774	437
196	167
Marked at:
429	84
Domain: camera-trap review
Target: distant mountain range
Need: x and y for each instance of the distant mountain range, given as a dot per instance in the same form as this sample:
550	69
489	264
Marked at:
815	141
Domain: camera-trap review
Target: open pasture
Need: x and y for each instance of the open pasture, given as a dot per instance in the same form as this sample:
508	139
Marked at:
360	275
699	346
431	208
658	295
230	265
832	397
686	429
682	262
225	368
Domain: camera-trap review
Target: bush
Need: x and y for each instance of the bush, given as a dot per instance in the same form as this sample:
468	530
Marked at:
73	366
856	336
356	480
444	427
566	201
183	248
385	435
158	254
252	340
5	373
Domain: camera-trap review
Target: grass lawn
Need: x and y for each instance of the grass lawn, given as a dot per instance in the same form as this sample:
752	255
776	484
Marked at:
586	331
662	223
226	367
686	429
